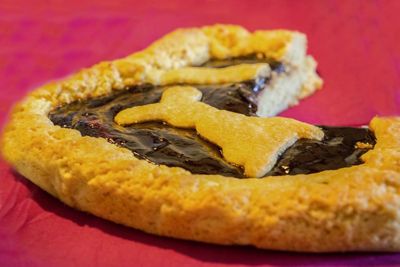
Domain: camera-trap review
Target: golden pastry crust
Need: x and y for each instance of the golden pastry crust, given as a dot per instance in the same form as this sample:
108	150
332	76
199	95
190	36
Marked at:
185	48
348	209
198	75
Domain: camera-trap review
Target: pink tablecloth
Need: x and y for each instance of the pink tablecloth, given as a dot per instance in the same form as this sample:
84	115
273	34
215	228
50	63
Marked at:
357	44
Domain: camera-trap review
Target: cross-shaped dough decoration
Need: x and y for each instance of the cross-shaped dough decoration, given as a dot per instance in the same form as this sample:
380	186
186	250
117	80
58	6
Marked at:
252	142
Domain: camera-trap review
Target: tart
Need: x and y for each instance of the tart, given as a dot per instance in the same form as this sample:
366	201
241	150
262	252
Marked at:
180	140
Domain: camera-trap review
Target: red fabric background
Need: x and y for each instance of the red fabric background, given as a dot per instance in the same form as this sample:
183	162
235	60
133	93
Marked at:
355	42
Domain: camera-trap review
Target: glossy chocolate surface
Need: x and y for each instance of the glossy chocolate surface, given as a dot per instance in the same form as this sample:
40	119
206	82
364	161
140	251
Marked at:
338	149
163	144
248	59
160	143
156	141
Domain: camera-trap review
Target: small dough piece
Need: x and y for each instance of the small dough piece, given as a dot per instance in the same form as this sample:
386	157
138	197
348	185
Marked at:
251	142
197	75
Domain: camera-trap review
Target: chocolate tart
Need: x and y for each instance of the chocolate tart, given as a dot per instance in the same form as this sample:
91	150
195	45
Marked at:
180	140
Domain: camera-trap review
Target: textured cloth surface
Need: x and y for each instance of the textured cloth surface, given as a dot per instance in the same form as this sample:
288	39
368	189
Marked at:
355	42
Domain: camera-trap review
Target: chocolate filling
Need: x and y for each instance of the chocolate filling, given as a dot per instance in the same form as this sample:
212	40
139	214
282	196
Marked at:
163	144
248	59
338	149
160	143
156	141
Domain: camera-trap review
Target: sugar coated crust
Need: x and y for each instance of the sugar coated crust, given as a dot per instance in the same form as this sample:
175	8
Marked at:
349	209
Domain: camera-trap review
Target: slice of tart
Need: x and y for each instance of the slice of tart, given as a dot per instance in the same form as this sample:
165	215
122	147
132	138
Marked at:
160	140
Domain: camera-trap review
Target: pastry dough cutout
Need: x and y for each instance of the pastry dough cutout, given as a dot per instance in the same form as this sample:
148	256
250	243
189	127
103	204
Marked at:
201	75
252	142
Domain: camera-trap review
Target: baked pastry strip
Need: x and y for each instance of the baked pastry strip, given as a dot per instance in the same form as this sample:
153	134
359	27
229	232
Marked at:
251	142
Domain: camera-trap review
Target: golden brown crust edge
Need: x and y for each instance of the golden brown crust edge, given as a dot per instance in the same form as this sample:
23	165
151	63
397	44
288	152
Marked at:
182	48
354	208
